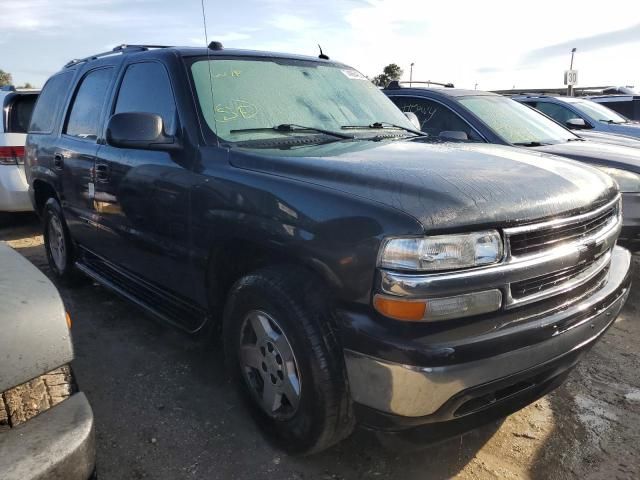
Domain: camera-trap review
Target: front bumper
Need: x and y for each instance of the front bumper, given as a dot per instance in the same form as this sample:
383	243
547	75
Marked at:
427	393
58	444
14	196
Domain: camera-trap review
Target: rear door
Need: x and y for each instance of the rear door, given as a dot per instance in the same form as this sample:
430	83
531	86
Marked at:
76	151
142	196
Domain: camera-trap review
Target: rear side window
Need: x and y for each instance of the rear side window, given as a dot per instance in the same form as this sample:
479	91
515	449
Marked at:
20	111
50	102
146	88
84	115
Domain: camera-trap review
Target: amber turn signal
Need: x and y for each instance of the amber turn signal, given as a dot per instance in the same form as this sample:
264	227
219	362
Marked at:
400	309
68	318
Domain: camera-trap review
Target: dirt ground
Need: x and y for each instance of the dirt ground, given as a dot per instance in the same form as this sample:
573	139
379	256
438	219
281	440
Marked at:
164	409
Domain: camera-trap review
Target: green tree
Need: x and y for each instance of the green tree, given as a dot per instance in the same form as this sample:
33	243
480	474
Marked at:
28	85
5	78
389	73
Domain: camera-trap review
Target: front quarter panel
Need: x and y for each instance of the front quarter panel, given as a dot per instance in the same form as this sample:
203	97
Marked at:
334	233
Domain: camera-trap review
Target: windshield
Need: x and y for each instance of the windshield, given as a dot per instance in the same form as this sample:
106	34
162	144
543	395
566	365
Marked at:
256	93
598	112
516	123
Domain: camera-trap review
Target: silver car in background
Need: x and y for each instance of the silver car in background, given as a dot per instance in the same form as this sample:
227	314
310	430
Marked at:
46	424
17	106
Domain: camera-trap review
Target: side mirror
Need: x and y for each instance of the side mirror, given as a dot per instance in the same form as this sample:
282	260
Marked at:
139	130
576	123
413	118
453	135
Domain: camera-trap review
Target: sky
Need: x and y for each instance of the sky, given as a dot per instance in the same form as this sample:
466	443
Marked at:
488	45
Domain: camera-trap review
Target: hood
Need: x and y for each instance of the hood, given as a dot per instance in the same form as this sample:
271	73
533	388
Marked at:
610	138
35	338
598	153
444	186
631	129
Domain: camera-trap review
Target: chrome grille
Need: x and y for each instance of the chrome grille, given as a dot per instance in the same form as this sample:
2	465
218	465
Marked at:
565	278
536	240
582	234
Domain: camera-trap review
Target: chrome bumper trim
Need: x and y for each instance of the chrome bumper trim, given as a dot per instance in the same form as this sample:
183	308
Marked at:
415	391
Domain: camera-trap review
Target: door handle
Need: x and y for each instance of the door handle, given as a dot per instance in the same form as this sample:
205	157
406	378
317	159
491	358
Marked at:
58	161
102	172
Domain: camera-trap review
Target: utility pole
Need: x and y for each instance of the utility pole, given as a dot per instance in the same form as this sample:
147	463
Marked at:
411	75
570	87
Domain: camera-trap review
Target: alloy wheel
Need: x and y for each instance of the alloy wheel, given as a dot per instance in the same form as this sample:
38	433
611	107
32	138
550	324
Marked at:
57	247
269	365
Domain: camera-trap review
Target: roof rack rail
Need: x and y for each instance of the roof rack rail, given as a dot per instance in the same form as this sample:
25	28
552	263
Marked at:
124	48
398	83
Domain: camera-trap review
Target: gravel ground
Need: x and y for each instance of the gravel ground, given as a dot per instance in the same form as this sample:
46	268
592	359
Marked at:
165	410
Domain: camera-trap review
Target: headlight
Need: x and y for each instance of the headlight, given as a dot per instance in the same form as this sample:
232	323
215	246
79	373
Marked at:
441	252
628	182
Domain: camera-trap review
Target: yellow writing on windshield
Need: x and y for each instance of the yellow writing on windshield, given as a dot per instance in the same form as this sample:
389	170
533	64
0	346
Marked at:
231	74
234	110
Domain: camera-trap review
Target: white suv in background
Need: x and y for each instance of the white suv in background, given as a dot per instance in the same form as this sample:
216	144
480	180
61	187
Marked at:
17	106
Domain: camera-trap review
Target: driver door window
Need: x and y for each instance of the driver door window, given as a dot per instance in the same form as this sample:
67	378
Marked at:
559	113
146	88
434	117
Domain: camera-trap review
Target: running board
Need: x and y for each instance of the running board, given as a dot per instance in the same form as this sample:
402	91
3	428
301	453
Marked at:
128	295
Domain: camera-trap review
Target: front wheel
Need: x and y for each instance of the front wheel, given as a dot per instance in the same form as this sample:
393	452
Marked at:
281	348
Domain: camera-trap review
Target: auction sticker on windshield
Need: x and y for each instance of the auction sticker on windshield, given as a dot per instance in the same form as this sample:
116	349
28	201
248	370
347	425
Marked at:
354	75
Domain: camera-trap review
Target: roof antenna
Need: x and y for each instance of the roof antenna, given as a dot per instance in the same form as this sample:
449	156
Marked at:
322	55
210	46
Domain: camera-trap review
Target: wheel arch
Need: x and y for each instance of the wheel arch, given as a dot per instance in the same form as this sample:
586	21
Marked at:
228	262
42	191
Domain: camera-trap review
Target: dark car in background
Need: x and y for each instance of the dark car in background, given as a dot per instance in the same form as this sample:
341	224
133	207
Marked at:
628	104
46	424
472	115
579	114
358	273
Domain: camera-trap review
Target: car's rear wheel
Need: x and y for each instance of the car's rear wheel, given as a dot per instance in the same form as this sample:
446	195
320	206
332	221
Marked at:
57	243
281	347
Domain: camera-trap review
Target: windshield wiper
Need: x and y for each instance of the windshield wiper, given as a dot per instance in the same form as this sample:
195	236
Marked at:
611	121
530	144
292	127
577	139
383	125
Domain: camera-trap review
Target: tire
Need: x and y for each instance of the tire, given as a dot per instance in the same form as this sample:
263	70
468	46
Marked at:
58	244
287	304
6	219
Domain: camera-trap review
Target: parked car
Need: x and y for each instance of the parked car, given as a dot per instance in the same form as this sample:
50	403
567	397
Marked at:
17	106
628	105
357	272
478	116
610	138
582	114
46	424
